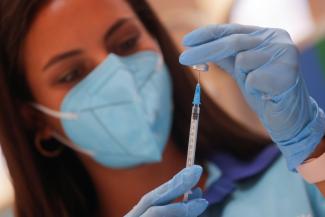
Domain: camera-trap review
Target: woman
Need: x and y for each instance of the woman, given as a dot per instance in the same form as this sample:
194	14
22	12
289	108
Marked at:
90	124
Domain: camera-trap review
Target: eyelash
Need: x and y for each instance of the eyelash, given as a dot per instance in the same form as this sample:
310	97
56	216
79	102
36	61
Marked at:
72	76
127	46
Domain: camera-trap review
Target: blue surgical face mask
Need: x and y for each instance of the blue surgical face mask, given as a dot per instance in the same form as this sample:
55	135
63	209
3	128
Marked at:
121	113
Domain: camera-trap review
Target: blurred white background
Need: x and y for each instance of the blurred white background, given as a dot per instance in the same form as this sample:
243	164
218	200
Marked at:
6	191
292	15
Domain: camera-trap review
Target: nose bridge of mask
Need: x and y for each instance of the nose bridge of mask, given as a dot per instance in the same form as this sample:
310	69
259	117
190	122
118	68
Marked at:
152	80
148	62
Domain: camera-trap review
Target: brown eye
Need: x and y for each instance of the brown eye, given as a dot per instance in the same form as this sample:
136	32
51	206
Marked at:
72	76
127	46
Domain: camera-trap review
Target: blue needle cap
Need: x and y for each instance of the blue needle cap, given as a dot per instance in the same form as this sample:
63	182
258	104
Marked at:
197	95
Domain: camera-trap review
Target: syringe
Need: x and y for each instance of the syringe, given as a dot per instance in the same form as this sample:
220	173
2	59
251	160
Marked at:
194	122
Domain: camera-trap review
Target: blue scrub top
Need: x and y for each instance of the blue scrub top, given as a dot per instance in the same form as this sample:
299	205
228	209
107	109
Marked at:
276	192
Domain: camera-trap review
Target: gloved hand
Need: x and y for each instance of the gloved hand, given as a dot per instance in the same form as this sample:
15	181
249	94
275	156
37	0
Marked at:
159	201
264	62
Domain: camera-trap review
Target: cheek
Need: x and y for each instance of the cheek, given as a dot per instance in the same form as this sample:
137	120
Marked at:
45	94
50	97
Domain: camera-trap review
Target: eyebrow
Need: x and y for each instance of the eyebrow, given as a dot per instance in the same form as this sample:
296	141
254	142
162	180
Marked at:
118	24
60	57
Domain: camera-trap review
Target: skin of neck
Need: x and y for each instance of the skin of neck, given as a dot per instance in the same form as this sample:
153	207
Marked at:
119	190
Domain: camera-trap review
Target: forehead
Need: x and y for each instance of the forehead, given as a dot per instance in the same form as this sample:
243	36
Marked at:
65	8
66	24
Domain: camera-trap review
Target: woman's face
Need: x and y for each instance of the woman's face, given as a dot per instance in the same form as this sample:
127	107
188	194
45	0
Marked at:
69	38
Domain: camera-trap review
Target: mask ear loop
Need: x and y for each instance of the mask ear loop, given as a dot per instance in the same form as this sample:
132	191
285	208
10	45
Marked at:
160	62
66	116
56	114
71	145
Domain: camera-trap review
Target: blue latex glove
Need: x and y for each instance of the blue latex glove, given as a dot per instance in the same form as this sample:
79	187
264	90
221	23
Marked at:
264	62
159	201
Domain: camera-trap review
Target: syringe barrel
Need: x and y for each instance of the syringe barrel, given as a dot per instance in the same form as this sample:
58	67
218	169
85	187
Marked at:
193	135
192	140
195	112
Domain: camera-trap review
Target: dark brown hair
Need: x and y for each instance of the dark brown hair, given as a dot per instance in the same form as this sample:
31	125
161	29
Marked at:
61	186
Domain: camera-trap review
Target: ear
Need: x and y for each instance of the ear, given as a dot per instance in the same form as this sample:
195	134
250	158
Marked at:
35	121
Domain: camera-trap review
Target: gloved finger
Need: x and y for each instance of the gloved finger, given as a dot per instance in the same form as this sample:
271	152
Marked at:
256	56
247	61
195	194
213	32
182	182
262	79
192	208
265	67
227	64
219	49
